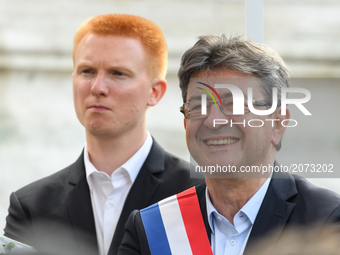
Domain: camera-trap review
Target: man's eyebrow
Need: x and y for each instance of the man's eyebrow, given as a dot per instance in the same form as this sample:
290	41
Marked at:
193	98
230	95
223	96
226	95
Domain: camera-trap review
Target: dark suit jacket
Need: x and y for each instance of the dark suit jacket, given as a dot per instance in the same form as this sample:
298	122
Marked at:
55	213
290	200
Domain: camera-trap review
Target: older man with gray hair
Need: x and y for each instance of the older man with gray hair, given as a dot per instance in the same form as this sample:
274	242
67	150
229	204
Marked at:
235	207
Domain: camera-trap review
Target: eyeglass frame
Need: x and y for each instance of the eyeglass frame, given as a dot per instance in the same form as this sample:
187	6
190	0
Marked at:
255	102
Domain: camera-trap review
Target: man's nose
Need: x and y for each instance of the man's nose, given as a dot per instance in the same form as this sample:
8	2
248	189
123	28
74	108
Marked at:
99	87
215	113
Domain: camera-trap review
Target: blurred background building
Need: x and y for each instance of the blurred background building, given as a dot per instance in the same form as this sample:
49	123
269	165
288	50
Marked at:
39	131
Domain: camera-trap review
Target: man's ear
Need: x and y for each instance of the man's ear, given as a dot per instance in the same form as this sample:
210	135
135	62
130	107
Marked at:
279	129
157	91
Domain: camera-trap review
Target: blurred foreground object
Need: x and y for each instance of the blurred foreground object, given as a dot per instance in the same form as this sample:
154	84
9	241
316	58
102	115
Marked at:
10	246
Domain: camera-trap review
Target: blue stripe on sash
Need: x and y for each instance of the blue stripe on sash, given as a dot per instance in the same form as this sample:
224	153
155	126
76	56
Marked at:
155	231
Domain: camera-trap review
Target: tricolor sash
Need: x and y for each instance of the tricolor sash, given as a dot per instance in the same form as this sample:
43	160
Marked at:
174	226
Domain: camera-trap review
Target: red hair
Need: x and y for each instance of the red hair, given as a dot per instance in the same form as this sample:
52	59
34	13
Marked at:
149	33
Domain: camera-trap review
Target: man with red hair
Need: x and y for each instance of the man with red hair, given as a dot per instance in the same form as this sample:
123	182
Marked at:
120	64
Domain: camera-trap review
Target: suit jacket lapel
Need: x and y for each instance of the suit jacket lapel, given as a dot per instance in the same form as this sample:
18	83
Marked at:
200	190
275	209
142	191
80	207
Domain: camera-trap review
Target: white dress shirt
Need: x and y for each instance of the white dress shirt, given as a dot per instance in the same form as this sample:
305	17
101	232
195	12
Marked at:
229	239
108	193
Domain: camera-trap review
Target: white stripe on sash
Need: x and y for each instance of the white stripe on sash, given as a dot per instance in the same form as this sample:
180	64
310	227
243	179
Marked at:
174	226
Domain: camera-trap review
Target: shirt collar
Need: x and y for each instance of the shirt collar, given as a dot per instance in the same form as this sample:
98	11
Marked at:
135	163
131	166
250	209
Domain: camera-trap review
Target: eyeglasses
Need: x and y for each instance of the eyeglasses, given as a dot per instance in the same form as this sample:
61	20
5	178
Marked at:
193	109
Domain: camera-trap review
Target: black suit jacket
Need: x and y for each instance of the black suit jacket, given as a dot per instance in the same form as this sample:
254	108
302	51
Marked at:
289	201
55	214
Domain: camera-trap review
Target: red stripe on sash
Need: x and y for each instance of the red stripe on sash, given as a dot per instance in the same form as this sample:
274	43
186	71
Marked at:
193	222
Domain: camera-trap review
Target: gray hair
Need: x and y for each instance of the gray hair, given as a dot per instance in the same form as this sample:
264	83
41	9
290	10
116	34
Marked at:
238	54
